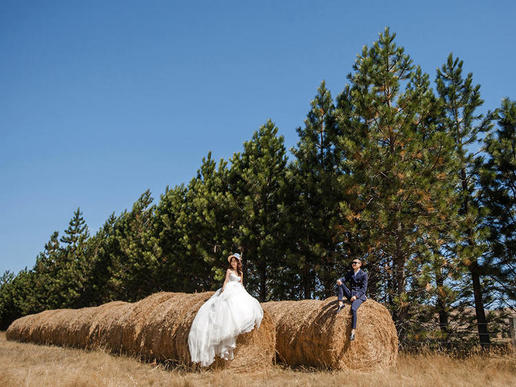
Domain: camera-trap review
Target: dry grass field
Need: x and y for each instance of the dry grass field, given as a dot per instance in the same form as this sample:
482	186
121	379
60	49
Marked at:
37	365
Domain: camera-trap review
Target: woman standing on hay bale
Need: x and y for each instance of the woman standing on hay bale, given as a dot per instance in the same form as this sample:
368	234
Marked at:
231	311
356	294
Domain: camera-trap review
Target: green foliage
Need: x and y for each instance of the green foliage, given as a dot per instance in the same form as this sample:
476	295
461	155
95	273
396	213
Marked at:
134	269
395	162
386	172
258	185
208	226
460	100
315	244
498	196
170	225
8	309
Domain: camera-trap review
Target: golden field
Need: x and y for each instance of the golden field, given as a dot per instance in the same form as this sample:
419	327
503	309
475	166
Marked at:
24	364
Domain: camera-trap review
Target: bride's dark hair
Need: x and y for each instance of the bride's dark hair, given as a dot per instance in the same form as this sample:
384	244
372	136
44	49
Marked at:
239	265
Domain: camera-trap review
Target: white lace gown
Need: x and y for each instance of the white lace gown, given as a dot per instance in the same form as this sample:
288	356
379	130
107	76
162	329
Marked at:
220	320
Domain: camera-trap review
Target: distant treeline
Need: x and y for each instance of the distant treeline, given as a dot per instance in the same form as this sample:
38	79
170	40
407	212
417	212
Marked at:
398	170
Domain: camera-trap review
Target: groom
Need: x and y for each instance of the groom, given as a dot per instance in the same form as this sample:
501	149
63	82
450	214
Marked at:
358	285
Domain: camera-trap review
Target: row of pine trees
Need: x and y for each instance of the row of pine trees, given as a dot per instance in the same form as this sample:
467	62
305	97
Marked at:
401	171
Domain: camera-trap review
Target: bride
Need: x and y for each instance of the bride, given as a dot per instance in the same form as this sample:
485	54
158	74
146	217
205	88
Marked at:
230	312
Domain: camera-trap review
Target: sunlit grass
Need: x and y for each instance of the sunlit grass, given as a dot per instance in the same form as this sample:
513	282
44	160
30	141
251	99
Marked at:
37	365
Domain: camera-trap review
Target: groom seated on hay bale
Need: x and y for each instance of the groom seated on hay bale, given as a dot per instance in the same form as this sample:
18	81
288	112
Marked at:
357	280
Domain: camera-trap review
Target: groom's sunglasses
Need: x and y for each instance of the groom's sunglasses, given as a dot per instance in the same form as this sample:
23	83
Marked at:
357	262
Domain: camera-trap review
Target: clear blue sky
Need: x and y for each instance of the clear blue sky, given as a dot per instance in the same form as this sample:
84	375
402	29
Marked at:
100	100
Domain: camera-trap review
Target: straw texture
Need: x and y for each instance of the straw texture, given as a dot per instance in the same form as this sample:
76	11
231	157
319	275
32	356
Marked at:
311	333
156	327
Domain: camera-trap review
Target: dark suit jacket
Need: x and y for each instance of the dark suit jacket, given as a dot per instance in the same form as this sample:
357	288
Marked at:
358	283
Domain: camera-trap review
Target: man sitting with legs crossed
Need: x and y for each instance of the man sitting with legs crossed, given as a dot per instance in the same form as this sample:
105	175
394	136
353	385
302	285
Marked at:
357	280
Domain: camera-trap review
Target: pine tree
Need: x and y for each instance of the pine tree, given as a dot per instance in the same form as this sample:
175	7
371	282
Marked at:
103	250
315	197
460	99
208	226
134	269
73	265
171	225
498	181
46	270
394	170
77	231
16	296
8	311
258	188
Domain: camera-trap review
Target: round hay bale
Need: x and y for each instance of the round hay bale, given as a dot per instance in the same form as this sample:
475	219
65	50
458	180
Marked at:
165	335
104	331
136	318
23	328
78	327
156	327
160	324
256	349
311	333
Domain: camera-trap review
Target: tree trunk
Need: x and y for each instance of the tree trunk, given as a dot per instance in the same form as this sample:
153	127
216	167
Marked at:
443	322
373	277
263	282
327	277
441	306
483	333
400	311
306	282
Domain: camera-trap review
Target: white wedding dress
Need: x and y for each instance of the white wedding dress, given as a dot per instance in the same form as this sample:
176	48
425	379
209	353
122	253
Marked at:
220	320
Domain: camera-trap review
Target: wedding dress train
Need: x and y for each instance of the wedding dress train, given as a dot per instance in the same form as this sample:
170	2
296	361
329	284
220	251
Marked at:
220	320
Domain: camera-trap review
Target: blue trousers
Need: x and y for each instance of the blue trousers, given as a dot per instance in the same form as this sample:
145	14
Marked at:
343	291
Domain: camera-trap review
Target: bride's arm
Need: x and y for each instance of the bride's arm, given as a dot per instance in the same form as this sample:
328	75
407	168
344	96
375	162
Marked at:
226	280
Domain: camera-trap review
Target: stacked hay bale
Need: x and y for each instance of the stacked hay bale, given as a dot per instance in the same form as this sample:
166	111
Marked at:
156	327
311	333
307	333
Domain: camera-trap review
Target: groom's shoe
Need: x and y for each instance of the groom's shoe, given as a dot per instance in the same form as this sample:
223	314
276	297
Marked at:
340	308
352	336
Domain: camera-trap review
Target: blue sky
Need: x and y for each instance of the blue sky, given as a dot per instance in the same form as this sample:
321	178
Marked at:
101	100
